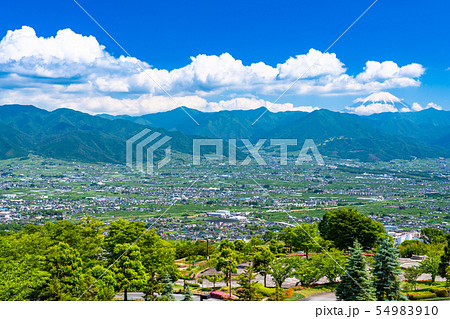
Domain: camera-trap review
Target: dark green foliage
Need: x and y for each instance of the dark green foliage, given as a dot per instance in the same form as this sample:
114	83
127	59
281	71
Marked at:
412	247
355	283
71	261
167	290
248	290
345	225
445	262
188	294
431	235
386	268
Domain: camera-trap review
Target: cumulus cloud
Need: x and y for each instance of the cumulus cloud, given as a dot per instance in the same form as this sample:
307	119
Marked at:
417	107
75	70
373	108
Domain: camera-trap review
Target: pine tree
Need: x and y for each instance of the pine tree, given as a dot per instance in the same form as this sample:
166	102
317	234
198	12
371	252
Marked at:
445	261
386	270
355	283
188	294
248	290
167	290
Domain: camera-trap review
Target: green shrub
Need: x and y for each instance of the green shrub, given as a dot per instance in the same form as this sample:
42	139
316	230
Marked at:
193	285
421	295
440	292
266	292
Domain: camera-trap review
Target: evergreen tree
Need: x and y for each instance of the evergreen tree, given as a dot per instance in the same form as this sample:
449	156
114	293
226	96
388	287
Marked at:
445	261
167	290
248	291
386	269
355	283
188	294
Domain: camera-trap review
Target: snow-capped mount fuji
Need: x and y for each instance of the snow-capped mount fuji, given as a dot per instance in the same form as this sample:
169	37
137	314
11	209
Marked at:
380	102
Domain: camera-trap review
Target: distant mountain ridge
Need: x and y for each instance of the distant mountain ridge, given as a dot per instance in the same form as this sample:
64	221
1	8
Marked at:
382	136
72	135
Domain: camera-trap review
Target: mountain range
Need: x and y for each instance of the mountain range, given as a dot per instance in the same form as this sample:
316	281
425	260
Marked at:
72	135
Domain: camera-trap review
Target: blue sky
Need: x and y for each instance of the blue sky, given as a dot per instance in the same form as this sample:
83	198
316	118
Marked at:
166	34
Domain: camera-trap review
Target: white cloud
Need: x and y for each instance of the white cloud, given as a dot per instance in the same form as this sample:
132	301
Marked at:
389	70
73	69
373	108
417	107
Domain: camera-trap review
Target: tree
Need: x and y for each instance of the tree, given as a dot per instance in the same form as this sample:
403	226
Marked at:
188	294
158	258
431	235
445	261
167	290
411	275
128	269
66	281
386	269
261	262
122	232
226	261
215	278
248	290
430	265
303	237
345	225
102	285
239	244
278	295
307	271
281	269
355	283
332	263
412	247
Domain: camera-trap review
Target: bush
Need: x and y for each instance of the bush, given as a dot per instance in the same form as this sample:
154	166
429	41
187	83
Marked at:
440	292
289	293
192	285
266	292
221	295
421	295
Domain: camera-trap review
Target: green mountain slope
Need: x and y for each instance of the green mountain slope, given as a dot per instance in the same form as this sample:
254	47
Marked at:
71	135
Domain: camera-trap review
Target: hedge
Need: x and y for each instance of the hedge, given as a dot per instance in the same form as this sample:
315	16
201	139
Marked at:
421	295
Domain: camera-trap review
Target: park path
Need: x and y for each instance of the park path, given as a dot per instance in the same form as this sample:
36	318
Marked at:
323	296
